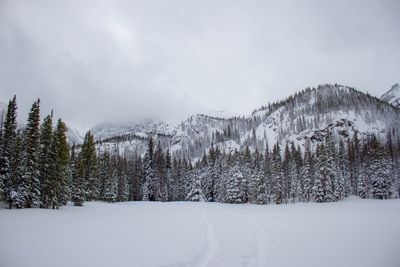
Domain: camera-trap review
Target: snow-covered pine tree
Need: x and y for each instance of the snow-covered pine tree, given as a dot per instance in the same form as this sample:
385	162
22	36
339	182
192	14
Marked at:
46	160
267	174
159	172
122	190
379	170
137	178
8	153
175	188
150	186
217	173
60	181
30	160
331	169
233	180
73	176
196	194
277	174
87	168
103	171
85	185
354	161
122	182
343	165
257	181
362	187
340	184
245	164
307	173
297	185
17	173
288	172
321	177
391	157
208	175
168	175
111	183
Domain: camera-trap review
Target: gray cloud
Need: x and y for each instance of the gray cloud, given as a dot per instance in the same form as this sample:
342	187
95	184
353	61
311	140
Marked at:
103	60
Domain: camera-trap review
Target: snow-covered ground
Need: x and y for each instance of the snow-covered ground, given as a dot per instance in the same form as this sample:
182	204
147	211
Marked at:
352	232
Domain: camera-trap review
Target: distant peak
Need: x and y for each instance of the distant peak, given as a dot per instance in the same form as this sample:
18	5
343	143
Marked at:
395	86
393	95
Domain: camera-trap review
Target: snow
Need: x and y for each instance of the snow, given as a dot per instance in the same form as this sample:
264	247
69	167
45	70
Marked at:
74	136
393	95
352	232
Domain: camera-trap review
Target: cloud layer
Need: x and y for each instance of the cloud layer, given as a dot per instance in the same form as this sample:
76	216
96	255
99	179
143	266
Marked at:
95	61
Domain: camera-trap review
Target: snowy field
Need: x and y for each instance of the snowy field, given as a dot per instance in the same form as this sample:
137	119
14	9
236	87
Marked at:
352	232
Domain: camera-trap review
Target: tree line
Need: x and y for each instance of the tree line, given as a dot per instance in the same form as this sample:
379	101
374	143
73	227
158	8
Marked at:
34	161
39	169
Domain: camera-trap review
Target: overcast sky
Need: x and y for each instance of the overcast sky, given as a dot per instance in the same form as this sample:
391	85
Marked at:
95	61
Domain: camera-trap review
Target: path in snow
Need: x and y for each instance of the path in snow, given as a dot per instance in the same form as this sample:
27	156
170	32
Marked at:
207	256
257	256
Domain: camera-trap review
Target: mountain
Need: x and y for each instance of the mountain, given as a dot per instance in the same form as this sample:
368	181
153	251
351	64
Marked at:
307	115
392	96
142	129
73	136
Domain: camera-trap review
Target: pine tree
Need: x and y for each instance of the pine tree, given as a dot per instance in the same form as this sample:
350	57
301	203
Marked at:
257	181
17	173
85	185
362	188
277	174
110	191
87	168
159	171
149	189
8	153
78	190
196	194
31	157
379	170
343	165
245	165
104	173
137	179
354	162
267	172
168	175
60	183
233	181
122	184
307	173
46	161
331	169
321	178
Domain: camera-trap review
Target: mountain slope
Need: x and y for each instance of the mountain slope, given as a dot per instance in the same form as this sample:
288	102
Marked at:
392	96
307	115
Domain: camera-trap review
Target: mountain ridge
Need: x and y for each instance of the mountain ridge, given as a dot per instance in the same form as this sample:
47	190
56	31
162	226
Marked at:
306	115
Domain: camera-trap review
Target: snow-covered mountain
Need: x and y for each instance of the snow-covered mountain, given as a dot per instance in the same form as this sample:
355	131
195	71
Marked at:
73	136
392	96
306	115
142	129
